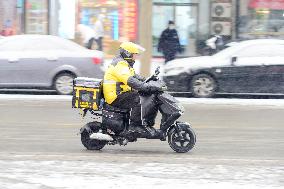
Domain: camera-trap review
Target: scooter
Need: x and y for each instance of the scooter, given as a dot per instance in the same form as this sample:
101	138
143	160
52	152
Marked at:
213	45
110	125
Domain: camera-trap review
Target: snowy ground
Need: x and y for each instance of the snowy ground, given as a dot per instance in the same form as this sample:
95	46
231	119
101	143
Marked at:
38	174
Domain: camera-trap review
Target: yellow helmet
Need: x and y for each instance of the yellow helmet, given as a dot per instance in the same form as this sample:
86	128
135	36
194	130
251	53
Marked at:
131	47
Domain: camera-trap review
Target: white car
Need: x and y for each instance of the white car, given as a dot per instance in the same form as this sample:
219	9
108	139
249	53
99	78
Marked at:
253	66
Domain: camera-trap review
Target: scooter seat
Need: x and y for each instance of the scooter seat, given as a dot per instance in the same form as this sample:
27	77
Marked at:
114	109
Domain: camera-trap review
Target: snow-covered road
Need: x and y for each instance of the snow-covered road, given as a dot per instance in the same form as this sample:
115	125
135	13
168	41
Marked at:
239	146
38	174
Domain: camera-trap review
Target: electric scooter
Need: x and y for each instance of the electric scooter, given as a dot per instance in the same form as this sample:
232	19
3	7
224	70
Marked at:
110	125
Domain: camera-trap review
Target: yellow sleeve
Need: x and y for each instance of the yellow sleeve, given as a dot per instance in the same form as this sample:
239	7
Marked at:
122	72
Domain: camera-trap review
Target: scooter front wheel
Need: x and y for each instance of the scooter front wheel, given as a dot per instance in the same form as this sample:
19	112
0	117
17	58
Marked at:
184	141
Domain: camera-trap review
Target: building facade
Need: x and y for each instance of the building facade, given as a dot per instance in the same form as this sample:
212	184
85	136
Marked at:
120	19
196	20
25	16
260	19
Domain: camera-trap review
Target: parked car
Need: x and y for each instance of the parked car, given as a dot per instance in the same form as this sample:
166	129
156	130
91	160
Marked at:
45	61
248	67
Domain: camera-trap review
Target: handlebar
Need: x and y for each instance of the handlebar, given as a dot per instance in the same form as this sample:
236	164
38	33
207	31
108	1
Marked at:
157	72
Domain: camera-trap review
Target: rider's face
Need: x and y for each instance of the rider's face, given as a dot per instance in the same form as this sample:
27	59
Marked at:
135	56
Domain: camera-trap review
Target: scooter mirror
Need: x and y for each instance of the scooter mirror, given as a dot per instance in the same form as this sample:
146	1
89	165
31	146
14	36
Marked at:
157	71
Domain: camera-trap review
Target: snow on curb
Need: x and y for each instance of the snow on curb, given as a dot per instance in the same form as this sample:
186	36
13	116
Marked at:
36	97
228	101
205	101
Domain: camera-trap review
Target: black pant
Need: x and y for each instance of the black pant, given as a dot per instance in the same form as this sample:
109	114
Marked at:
90	43
169	56
129	100
100	43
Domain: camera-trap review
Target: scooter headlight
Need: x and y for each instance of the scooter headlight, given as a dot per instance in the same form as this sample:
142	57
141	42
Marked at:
180	106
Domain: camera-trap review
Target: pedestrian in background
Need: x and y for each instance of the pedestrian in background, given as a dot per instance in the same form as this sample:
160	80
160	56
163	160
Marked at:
169	43
99	32
88	35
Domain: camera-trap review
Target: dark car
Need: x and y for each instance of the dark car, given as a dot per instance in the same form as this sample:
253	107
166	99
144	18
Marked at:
247	67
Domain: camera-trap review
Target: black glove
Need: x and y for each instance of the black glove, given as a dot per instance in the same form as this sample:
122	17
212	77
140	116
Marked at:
155	78
181	50
139	77
138	85
153	87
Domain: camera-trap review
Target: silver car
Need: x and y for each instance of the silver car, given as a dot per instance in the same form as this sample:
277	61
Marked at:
46	62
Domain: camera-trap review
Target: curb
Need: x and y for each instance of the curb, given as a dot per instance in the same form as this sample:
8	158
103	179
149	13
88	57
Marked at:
188	101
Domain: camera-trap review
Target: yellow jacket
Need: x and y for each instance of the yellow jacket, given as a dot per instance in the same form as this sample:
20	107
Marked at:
115	79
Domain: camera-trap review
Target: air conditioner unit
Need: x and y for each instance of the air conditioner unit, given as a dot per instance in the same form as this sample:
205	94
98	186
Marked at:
221	28
221	10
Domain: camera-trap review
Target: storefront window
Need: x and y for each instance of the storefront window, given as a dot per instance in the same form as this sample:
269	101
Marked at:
120	20
36	16
261	19
11	12
185	16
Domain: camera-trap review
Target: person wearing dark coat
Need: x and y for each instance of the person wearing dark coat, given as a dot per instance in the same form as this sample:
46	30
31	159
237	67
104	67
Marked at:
169	43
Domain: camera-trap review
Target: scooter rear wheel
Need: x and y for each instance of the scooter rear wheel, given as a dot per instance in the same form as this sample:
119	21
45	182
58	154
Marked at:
92	144
182	144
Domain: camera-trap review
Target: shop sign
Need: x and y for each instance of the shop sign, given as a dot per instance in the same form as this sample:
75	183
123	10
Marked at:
267	4
175	1
129	19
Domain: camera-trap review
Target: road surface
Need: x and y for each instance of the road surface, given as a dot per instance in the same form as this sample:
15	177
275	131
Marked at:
238	146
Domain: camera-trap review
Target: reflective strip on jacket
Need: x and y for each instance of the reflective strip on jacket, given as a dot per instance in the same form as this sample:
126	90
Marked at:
115	79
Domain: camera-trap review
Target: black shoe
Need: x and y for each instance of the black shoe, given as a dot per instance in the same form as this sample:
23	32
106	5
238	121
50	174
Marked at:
161	134
135	129
151	131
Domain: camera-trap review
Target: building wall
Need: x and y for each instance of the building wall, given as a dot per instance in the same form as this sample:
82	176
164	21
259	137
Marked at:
204	18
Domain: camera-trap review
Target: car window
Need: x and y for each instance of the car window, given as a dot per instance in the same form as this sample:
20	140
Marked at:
13	45
38	44
46	44
227	53
262	50
25	44
65	44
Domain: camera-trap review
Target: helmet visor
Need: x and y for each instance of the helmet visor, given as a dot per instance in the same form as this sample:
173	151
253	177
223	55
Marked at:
140	49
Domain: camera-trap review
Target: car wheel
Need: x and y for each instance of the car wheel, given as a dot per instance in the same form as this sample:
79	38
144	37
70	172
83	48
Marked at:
203	86
63	84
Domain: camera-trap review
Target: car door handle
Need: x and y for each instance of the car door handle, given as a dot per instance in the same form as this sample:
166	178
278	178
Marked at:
13	60
52	58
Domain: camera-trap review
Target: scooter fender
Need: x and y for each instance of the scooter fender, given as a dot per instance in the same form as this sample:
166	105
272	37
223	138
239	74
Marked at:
177	126
87	128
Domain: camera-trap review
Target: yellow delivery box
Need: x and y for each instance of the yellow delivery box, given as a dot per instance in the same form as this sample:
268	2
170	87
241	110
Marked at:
87	93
